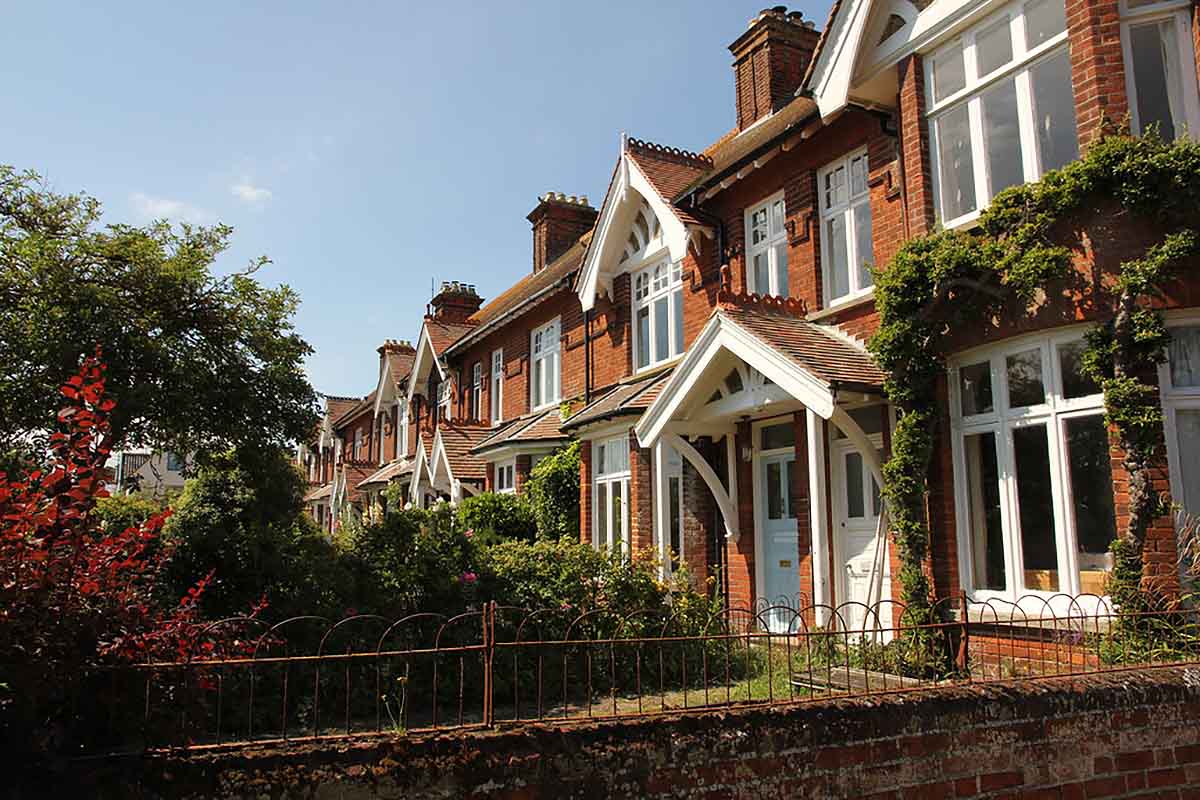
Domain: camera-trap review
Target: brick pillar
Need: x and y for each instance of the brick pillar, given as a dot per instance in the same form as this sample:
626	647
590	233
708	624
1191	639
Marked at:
739	556
914	139
698	518
521	473
585	491
1097	66
641	497
489	478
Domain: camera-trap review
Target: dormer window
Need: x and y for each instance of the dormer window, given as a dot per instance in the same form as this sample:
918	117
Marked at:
657	314
544	384
766	248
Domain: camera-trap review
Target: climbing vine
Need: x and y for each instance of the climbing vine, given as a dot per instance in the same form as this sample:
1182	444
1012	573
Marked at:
1012	262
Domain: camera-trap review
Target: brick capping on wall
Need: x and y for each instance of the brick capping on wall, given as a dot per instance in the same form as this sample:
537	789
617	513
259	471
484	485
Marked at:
1112	735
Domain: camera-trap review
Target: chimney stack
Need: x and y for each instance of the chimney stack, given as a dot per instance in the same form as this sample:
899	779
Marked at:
558	222
393	346
769	62
455	301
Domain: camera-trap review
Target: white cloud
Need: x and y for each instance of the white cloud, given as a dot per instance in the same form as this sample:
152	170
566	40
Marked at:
149	207
249	193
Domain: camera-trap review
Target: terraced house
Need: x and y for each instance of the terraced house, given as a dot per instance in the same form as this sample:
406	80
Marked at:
702	331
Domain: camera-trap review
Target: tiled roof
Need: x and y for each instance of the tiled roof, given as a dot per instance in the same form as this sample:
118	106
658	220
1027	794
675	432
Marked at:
335	407
543	426
457	442
527	289
731	148
353	411
395	469
631	397
670	171
443	334
318	493
355	475
822	350
400	365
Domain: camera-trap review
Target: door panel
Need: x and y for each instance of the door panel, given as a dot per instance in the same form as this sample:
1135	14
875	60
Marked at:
857	506
781	577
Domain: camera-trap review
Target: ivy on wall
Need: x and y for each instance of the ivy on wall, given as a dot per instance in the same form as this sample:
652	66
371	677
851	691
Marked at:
948	279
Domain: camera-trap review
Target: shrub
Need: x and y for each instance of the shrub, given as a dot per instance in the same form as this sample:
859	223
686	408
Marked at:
497	517
553	491
121	511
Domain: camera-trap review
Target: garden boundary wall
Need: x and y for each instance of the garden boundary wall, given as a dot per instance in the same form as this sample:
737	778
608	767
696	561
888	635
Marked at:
1117	734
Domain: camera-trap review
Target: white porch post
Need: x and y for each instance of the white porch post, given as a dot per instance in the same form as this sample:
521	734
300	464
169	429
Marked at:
817	515
661	536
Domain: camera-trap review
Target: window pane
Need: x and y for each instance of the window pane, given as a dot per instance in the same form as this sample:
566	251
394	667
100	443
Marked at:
835	187
949	75
775	509
983	510
675	526
677	307
1044	19
1075	383
762	274
758	226
858	176
537	381
1187	435
956	166
777	217
662	330
839	266
1184	355
993	47
1031	455
618	514
777	437
1054	111
1002	137
975	382
601	466
855	508
1025	387
643	337
863	245
1157	76
1091	499
601	514
789	467
554	390
781	270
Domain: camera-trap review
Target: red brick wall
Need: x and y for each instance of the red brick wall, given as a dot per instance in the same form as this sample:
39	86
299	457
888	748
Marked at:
585	491
1082	737
1097	66
641	488
739	555
914	143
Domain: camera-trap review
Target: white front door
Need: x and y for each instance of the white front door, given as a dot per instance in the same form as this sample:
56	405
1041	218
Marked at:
781	576
860	555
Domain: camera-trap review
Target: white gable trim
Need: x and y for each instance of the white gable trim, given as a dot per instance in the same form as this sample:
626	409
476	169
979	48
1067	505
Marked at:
719	335
629	187
419	469
439	463
426	357
830	81
385	390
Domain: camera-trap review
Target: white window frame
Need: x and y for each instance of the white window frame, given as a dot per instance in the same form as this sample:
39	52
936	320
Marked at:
831	210
663	280
776	236
1020	67
402	434
358	444
445	399
1180	12
545	365
615	479
506	476
1176	399
673	471
1002	421
497	386
477	391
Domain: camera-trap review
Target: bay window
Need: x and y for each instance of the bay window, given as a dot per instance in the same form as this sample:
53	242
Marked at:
1179	380
1032	468
610	494
658	314
847	254
1001	107
544	386
1160	66
767	248
497	391
506	473
477	391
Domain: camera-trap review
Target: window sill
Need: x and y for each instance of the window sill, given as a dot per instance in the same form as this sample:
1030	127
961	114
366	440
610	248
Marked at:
660	366
857	301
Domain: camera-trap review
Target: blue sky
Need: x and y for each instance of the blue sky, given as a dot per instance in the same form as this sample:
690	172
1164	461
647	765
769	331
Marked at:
366	148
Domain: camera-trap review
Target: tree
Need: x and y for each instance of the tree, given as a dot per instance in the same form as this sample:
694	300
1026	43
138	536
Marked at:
195	362
242	518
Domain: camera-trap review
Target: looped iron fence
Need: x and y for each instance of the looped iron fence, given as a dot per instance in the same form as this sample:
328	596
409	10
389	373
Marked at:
310	678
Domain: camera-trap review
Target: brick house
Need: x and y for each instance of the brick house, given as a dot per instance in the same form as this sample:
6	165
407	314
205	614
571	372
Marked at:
702	332
318	460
